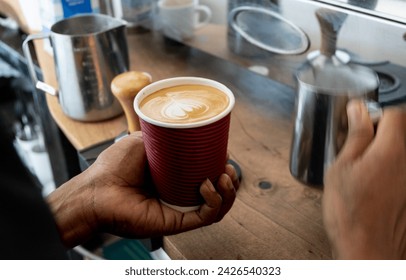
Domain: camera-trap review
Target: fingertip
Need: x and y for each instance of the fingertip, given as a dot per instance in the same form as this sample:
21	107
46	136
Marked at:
230	170
227	190
232	173
225	183
354	112
208	184
360	131
211	197
136	134
208	211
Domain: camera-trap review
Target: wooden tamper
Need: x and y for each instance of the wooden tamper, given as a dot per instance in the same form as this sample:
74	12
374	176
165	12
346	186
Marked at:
125	87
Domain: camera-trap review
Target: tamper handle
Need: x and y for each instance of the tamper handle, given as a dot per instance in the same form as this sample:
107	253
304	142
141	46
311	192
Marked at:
330	24
125	87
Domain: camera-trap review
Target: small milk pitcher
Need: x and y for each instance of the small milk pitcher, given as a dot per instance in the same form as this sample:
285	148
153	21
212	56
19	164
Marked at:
89	50
325	85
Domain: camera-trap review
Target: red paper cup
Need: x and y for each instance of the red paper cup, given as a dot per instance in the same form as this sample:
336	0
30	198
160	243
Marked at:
182	155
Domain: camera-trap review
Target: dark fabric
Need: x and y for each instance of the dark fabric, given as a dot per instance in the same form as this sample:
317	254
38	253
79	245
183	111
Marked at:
27	228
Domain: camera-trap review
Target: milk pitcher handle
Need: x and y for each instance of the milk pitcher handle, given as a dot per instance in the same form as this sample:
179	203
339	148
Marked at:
27	53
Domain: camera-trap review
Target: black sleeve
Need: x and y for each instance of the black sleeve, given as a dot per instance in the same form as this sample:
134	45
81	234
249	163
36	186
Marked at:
27	228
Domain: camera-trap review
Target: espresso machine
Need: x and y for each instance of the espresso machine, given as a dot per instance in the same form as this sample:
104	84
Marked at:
373	35
280	38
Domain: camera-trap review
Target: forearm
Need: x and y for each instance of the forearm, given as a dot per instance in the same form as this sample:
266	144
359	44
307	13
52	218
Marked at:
71	205
366	245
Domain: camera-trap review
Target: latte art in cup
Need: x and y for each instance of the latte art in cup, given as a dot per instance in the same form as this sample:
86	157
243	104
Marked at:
184	104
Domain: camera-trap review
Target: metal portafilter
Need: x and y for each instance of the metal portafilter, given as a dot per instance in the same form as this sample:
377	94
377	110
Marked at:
125	87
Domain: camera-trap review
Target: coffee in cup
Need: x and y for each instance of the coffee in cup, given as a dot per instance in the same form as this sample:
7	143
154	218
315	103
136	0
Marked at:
185	123
185	104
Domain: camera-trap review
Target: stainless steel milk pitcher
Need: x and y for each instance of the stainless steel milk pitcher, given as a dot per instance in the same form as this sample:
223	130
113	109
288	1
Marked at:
320	123
325	85
89	51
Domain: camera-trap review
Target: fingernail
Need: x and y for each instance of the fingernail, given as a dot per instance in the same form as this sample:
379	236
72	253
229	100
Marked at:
137	134
208	183
354	111
230	184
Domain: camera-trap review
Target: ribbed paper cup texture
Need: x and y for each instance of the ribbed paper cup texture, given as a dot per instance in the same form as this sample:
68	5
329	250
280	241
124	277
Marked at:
182	156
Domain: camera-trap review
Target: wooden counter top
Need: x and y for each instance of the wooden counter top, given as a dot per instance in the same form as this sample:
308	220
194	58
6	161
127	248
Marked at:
274	216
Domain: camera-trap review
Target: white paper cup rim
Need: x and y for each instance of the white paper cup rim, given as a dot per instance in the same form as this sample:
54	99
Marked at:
170	82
